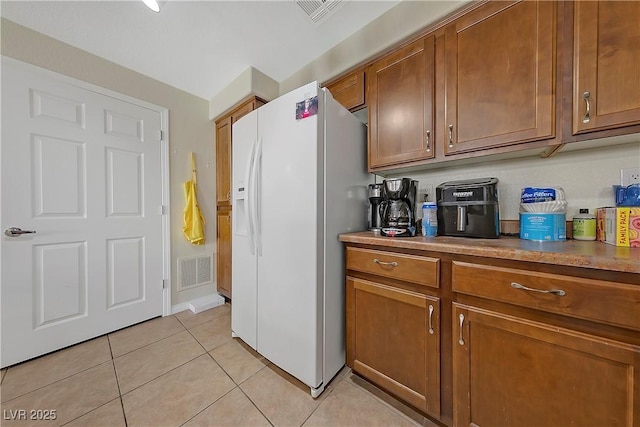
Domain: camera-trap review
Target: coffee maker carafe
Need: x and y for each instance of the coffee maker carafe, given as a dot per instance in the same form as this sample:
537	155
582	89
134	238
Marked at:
397	210
375	198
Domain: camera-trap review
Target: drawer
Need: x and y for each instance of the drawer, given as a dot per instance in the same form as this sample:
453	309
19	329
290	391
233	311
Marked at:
606	302
421	270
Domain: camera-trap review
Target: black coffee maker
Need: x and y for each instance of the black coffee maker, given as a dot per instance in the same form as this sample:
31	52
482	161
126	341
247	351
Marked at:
375	198
397	210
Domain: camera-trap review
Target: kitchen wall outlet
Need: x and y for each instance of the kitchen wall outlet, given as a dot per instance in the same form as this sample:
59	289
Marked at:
629	176
429	191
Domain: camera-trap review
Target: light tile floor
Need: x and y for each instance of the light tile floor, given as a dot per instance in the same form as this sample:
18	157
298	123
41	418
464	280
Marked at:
183	370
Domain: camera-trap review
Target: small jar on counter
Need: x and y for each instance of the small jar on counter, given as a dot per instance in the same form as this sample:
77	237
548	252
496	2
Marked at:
584	226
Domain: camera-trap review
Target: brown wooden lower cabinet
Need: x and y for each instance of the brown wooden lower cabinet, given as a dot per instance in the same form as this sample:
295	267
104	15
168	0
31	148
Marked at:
510	371
487	342
394	341
223	252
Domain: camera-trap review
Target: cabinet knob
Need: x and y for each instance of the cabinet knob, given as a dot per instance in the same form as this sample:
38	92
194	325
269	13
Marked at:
450	136
587	114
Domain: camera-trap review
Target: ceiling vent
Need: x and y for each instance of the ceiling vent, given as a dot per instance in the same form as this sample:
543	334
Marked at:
318	10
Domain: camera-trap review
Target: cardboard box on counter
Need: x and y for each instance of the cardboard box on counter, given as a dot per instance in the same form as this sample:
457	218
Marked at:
619	226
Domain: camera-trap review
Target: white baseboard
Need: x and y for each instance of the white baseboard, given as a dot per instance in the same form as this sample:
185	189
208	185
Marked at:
199	304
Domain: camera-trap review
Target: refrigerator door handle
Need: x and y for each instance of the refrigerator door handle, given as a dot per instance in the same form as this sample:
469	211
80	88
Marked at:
248	196
255	195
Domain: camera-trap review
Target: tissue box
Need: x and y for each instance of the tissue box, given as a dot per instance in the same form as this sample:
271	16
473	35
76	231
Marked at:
543	227
619	226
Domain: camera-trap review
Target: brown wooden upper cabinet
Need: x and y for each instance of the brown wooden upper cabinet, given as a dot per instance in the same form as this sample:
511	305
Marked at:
400	99
223	148
500	76
349	90
606	87
223	162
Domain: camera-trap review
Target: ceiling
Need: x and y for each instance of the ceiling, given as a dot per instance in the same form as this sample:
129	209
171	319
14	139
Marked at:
197	46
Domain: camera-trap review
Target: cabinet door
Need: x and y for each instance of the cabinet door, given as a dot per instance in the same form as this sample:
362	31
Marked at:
349	90
401	105
606	91
500	76
393	339
510	371
223	253
223	162
246	108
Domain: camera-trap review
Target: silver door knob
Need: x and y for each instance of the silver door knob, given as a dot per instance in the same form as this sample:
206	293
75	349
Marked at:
15	232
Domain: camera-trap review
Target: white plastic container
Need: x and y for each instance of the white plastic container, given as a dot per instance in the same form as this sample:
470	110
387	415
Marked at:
429	219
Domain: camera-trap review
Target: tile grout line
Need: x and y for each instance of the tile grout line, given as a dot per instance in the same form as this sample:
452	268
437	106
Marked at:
324	399
173	369
151	343
384	403
56	381
240	388
164	373
225	372
6	370
254	403
48	354
201	323
209	405
115	372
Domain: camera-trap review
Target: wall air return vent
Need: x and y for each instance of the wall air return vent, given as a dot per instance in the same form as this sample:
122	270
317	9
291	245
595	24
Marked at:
318	10
194	271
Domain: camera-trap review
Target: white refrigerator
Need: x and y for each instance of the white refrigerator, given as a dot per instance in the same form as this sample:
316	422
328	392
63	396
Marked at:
299	180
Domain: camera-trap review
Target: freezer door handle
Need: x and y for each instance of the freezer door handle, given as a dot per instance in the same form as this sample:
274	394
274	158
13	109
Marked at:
248	196
255	194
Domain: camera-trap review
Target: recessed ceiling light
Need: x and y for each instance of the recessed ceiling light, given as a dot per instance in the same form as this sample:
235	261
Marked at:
152	4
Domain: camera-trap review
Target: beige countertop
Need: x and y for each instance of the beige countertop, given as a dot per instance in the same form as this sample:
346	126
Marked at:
574	253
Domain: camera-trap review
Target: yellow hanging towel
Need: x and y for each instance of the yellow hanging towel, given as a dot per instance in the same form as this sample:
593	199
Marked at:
193	221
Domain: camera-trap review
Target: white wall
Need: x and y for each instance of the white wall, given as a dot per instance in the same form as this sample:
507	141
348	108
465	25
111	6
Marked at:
249	82
586	176
397	24
189	128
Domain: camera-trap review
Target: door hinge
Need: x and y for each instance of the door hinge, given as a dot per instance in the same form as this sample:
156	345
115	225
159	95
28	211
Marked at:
163	209
160	135
165	283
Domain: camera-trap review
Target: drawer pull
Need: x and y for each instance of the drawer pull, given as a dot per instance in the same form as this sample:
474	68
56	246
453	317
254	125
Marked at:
431	331
461	340
558	292
392	264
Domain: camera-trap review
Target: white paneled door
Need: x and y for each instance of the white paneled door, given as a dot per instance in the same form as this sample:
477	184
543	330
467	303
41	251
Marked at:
83	170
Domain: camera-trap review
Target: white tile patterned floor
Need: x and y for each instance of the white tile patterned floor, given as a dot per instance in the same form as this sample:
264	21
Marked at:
183	370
